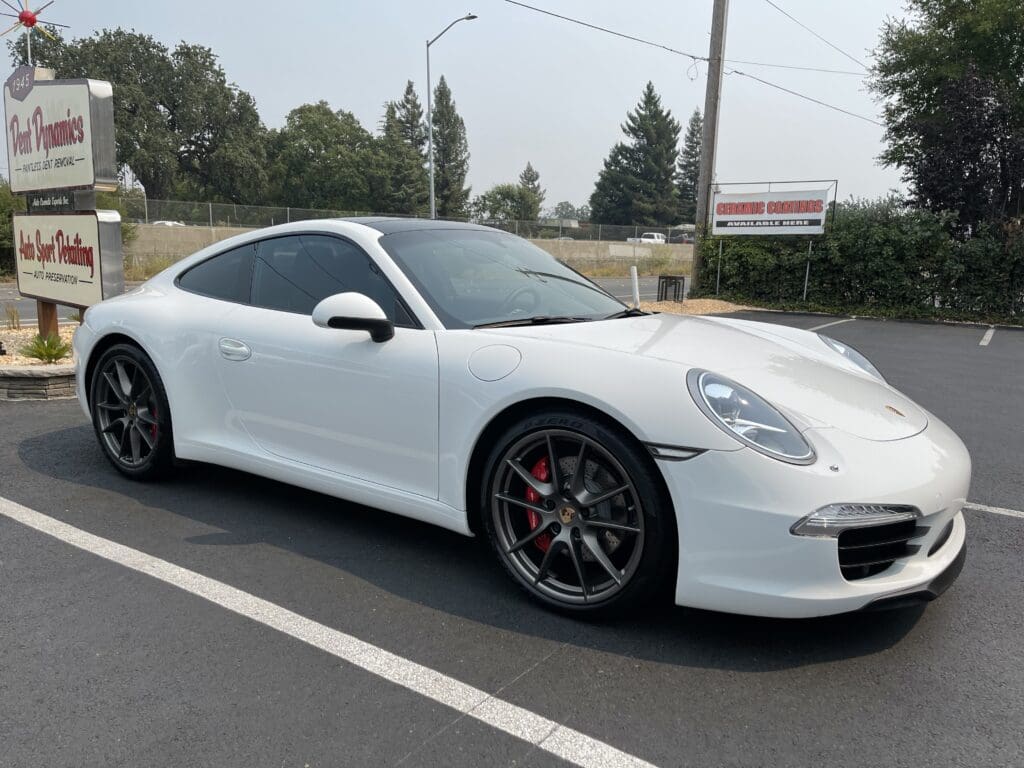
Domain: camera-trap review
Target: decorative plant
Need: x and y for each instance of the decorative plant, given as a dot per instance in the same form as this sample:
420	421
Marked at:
13	318
76	316
49	349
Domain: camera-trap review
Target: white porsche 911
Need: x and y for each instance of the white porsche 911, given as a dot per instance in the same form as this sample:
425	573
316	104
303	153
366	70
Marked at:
460	375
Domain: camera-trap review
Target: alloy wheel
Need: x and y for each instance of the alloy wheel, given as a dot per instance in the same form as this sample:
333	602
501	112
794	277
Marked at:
126	411
567	516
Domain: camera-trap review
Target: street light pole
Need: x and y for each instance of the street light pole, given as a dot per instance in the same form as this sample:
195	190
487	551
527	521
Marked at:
430	112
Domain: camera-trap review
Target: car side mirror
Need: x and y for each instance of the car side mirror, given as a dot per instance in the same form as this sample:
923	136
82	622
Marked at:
354	312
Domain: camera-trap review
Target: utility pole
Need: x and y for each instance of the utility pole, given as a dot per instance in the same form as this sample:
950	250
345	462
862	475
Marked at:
709	138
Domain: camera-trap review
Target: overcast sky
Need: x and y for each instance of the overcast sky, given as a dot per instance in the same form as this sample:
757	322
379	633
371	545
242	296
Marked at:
531	87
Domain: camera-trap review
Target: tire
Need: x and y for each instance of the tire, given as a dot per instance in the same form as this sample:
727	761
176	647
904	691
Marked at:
545	536
130	414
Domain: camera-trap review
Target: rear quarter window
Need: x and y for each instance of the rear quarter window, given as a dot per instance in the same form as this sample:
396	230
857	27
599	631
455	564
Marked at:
226	276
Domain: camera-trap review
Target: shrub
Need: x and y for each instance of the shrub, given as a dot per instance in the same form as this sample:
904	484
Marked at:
49	349
880	257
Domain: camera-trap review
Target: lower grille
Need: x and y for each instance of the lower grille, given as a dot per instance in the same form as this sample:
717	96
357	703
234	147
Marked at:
866	551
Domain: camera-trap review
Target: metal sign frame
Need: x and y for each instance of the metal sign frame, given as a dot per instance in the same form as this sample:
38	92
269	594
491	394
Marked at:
109	265
102	148
833	187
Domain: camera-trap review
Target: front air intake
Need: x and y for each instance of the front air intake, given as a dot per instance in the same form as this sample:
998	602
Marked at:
866	551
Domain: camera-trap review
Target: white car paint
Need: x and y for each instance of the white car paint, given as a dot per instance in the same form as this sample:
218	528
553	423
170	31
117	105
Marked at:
394	425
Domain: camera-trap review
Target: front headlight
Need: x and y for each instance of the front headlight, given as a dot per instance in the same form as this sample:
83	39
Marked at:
747	417
852	355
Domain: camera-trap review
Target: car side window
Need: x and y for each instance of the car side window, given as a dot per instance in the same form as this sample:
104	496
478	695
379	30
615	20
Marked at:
294	273
225	276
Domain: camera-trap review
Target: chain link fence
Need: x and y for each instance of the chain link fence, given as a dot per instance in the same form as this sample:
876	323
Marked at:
600	250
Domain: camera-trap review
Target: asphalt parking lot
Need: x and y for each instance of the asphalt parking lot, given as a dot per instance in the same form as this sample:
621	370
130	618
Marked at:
101	664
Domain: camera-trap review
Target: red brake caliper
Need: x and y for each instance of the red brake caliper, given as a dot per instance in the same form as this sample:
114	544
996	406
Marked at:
541	472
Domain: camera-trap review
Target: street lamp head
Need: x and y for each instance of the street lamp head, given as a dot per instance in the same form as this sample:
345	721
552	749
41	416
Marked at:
470	16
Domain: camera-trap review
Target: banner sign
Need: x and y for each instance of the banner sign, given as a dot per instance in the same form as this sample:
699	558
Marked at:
60	133
770	213
73	259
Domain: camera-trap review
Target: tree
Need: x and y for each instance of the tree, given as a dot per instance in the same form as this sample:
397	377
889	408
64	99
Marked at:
688	169
409	115
324	159
179	125
405	178
637	183
451	156
529	180
953	104
566	210
507	202
9	203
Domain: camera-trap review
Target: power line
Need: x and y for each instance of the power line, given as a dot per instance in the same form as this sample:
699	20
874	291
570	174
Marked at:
826	42
794	66
696	58
609	31
807	98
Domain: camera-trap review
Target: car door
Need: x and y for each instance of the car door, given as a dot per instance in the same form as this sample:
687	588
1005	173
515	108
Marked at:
331	398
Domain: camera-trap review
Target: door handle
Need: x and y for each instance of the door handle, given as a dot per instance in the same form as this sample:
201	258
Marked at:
233	349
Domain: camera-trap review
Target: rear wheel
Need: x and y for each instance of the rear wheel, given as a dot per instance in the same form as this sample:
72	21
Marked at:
576	515
130	413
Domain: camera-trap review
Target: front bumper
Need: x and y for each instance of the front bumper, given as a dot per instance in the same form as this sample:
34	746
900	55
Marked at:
734	510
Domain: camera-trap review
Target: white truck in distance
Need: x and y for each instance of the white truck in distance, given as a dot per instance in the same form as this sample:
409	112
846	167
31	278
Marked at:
654	238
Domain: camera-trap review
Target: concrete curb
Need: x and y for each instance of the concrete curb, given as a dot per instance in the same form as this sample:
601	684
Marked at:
37	382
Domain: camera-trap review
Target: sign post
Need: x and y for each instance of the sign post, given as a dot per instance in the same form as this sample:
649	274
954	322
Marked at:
790	212
60	141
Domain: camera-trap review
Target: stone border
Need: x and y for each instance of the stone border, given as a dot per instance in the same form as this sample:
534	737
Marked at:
37	382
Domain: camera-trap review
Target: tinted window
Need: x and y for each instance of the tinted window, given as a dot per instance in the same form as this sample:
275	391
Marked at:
226	276
472	277
293	274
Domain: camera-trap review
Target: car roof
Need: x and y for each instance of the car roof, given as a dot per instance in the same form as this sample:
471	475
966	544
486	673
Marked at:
387	225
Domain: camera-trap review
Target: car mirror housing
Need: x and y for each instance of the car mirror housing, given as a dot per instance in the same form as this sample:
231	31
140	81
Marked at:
354	312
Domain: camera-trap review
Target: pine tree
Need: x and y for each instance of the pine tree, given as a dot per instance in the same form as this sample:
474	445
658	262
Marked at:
405	180
451	156
529	180
409	114
688	176
637	183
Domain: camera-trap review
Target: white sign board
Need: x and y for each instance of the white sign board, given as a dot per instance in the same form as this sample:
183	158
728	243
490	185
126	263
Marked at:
58	257
770	213
59	133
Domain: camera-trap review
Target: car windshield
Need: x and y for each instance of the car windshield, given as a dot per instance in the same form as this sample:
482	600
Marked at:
473	277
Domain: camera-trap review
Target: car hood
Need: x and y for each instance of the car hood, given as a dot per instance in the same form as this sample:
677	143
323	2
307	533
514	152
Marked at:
790	368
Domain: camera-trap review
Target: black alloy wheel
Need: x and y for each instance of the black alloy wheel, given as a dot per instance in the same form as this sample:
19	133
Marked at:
130	413
577	516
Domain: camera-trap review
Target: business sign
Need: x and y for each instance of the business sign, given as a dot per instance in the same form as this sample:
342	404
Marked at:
770	213
73	259
60	133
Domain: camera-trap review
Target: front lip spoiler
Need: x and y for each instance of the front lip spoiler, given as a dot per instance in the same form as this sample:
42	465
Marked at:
925	593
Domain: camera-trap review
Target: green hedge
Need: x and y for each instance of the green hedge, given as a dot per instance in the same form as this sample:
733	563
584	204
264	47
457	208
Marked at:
881	258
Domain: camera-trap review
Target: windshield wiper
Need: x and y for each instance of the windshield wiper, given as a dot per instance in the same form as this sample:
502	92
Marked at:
629	312
552	275
535	320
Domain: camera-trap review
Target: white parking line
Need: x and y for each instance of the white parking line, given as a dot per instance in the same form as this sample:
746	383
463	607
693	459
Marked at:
994	510
568	744
834	322
987	337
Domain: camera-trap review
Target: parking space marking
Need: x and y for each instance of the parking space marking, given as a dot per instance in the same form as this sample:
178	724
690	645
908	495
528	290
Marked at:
987	337
565	743
994	510
834	322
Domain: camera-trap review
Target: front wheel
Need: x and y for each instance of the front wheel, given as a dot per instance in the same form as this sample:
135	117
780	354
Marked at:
576	514
130	413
